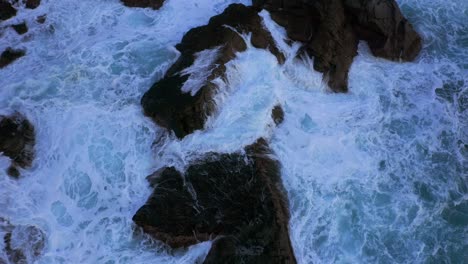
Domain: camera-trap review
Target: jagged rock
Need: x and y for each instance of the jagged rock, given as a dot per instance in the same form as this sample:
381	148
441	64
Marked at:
17	141
183	99
6	10
330	30
20	28
32	4
155	4
10	55
277	114
236	199
22	243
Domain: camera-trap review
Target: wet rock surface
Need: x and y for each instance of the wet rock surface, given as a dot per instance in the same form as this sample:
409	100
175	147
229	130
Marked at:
21	243
17	141
182	103
155	4
330	31
236	199
9	55
21	28
6	10
277	114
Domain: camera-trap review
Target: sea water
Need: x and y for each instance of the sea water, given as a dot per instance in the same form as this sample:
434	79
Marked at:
378	175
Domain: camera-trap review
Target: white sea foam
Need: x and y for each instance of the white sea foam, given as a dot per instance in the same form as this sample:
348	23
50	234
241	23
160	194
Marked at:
376	175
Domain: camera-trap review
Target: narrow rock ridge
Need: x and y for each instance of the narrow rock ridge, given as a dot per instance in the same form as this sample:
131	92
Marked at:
22	243
236	199
154	4
182	112
17	140
330	31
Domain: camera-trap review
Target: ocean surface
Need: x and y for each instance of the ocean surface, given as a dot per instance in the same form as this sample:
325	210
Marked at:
378	175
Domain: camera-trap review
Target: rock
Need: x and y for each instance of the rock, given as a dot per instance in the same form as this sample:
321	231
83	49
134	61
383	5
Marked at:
236	199
10	55
330	31
155	4
41	19
17	141
383	26
6	10
184	98
277	114
22	243
20	28
32	4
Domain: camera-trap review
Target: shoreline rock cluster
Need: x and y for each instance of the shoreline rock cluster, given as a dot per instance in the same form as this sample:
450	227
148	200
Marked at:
8	9
237	199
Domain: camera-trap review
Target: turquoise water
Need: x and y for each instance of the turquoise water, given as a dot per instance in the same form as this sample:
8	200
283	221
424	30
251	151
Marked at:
378	175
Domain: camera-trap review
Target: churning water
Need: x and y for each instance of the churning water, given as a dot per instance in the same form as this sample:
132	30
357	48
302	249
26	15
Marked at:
378	175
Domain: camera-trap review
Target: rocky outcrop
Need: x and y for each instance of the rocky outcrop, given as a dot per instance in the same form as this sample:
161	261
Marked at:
9	55
32	4
6	10
236	199
22	243
155	4
331	29
17	141
184	98
21	28
277	114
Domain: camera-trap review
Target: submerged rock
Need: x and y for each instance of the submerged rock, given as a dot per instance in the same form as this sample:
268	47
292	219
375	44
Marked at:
22	243
236	199
184	98
10	55
155	4
331	29
6	10
17	141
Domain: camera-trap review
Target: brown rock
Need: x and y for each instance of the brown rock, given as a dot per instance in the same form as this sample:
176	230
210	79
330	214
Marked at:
330	30
183	112
155	4
277	114
10	55
236	199
17	141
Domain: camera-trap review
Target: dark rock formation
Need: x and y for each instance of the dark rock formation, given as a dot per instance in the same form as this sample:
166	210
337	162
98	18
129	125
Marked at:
330	30
155	4
32	4
22	244
6	10
20	28
10	55
170	102
17	141
277	114
236	199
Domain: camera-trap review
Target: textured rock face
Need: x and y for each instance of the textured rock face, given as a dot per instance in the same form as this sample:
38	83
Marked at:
32	4
22	244
181	101
155	4
9	55
20	28
17	141
236	199
331	29
6	10
277	114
